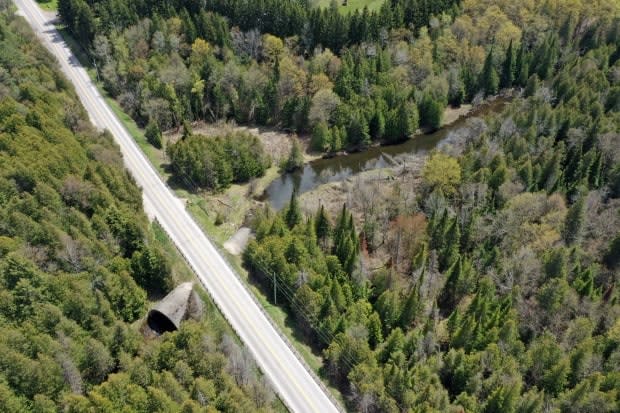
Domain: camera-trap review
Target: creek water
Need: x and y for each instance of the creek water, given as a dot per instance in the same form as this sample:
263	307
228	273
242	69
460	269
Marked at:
322	171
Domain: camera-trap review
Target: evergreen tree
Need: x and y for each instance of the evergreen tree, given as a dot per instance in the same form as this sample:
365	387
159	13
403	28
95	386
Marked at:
420	259
503	399
411	308
584	282
438	229
508	68
377	125
321	137
489	81
612	256
449	296
526	174
293	213
573	225
151	270
295	159
450	252
322	225
522	72
339	136
400	125
545	57
556	263
153	134
431	112
375	333
187	129
345	241
357	131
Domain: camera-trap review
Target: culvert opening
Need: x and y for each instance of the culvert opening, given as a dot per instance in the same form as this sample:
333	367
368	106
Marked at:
159	323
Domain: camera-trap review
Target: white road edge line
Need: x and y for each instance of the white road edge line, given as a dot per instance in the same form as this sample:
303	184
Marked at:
299	389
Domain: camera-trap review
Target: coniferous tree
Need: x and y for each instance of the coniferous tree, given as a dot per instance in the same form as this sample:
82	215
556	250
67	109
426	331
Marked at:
526	174
573	225
295	159
187	129
489	81
545	57
522	70
431	112
345	240
420	259
375	333
377	125
450	252
438	229
357	131
508	68
612	256
322	138
401	125
153	135
322	225
584	282
293	213
411	308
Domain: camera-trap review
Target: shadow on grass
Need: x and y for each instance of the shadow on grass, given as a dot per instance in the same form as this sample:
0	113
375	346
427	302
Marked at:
176	182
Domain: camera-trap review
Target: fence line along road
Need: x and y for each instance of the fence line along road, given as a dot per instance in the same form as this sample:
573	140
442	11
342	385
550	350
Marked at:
298	388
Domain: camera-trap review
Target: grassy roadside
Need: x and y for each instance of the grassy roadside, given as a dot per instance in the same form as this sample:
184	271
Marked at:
205	209
48	5
183	273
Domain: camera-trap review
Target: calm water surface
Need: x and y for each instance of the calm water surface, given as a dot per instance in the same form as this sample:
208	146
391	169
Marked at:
323	171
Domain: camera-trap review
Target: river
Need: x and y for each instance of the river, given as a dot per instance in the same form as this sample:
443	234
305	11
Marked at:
322	171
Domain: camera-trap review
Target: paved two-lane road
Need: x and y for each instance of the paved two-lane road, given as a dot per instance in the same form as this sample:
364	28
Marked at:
294	384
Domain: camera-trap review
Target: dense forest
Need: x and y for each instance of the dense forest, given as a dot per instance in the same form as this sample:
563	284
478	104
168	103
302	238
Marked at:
501	295
382	76
498	286
214	163
279	62
79	261
500	289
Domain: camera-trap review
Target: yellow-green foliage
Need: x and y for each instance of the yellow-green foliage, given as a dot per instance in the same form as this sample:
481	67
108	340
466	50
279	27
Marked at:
442	172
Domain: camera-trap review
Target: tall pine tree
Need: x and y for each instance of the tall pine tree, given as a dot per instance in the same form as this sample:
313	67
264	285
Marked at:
508	68
293	214
489	81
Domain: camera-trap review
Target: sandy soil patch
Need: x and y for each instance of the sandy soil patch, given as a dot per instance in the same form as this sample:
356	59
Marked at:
237	243
450	114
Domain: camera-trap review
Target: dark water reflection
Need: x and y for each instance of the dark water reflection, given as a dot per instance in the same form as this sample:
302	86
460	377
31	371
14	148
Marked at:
323	171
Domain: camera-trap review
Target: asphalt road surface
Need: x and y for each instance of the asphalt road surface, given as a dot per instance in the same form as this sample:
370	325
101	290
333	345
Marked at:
298	389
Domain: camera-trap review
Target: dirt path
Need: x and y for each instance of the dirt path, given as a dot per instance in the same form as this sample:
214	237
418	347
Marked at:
237	243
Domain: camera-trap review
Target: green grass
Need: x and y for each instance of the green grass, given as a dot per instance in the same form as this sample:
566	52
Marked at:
48	5
353	5
201	209
281	318
182	273
180	269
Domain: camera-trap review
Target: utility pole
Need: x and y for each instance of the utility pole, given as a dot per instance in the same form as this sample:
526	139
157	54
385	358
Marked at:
96	69
275	297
